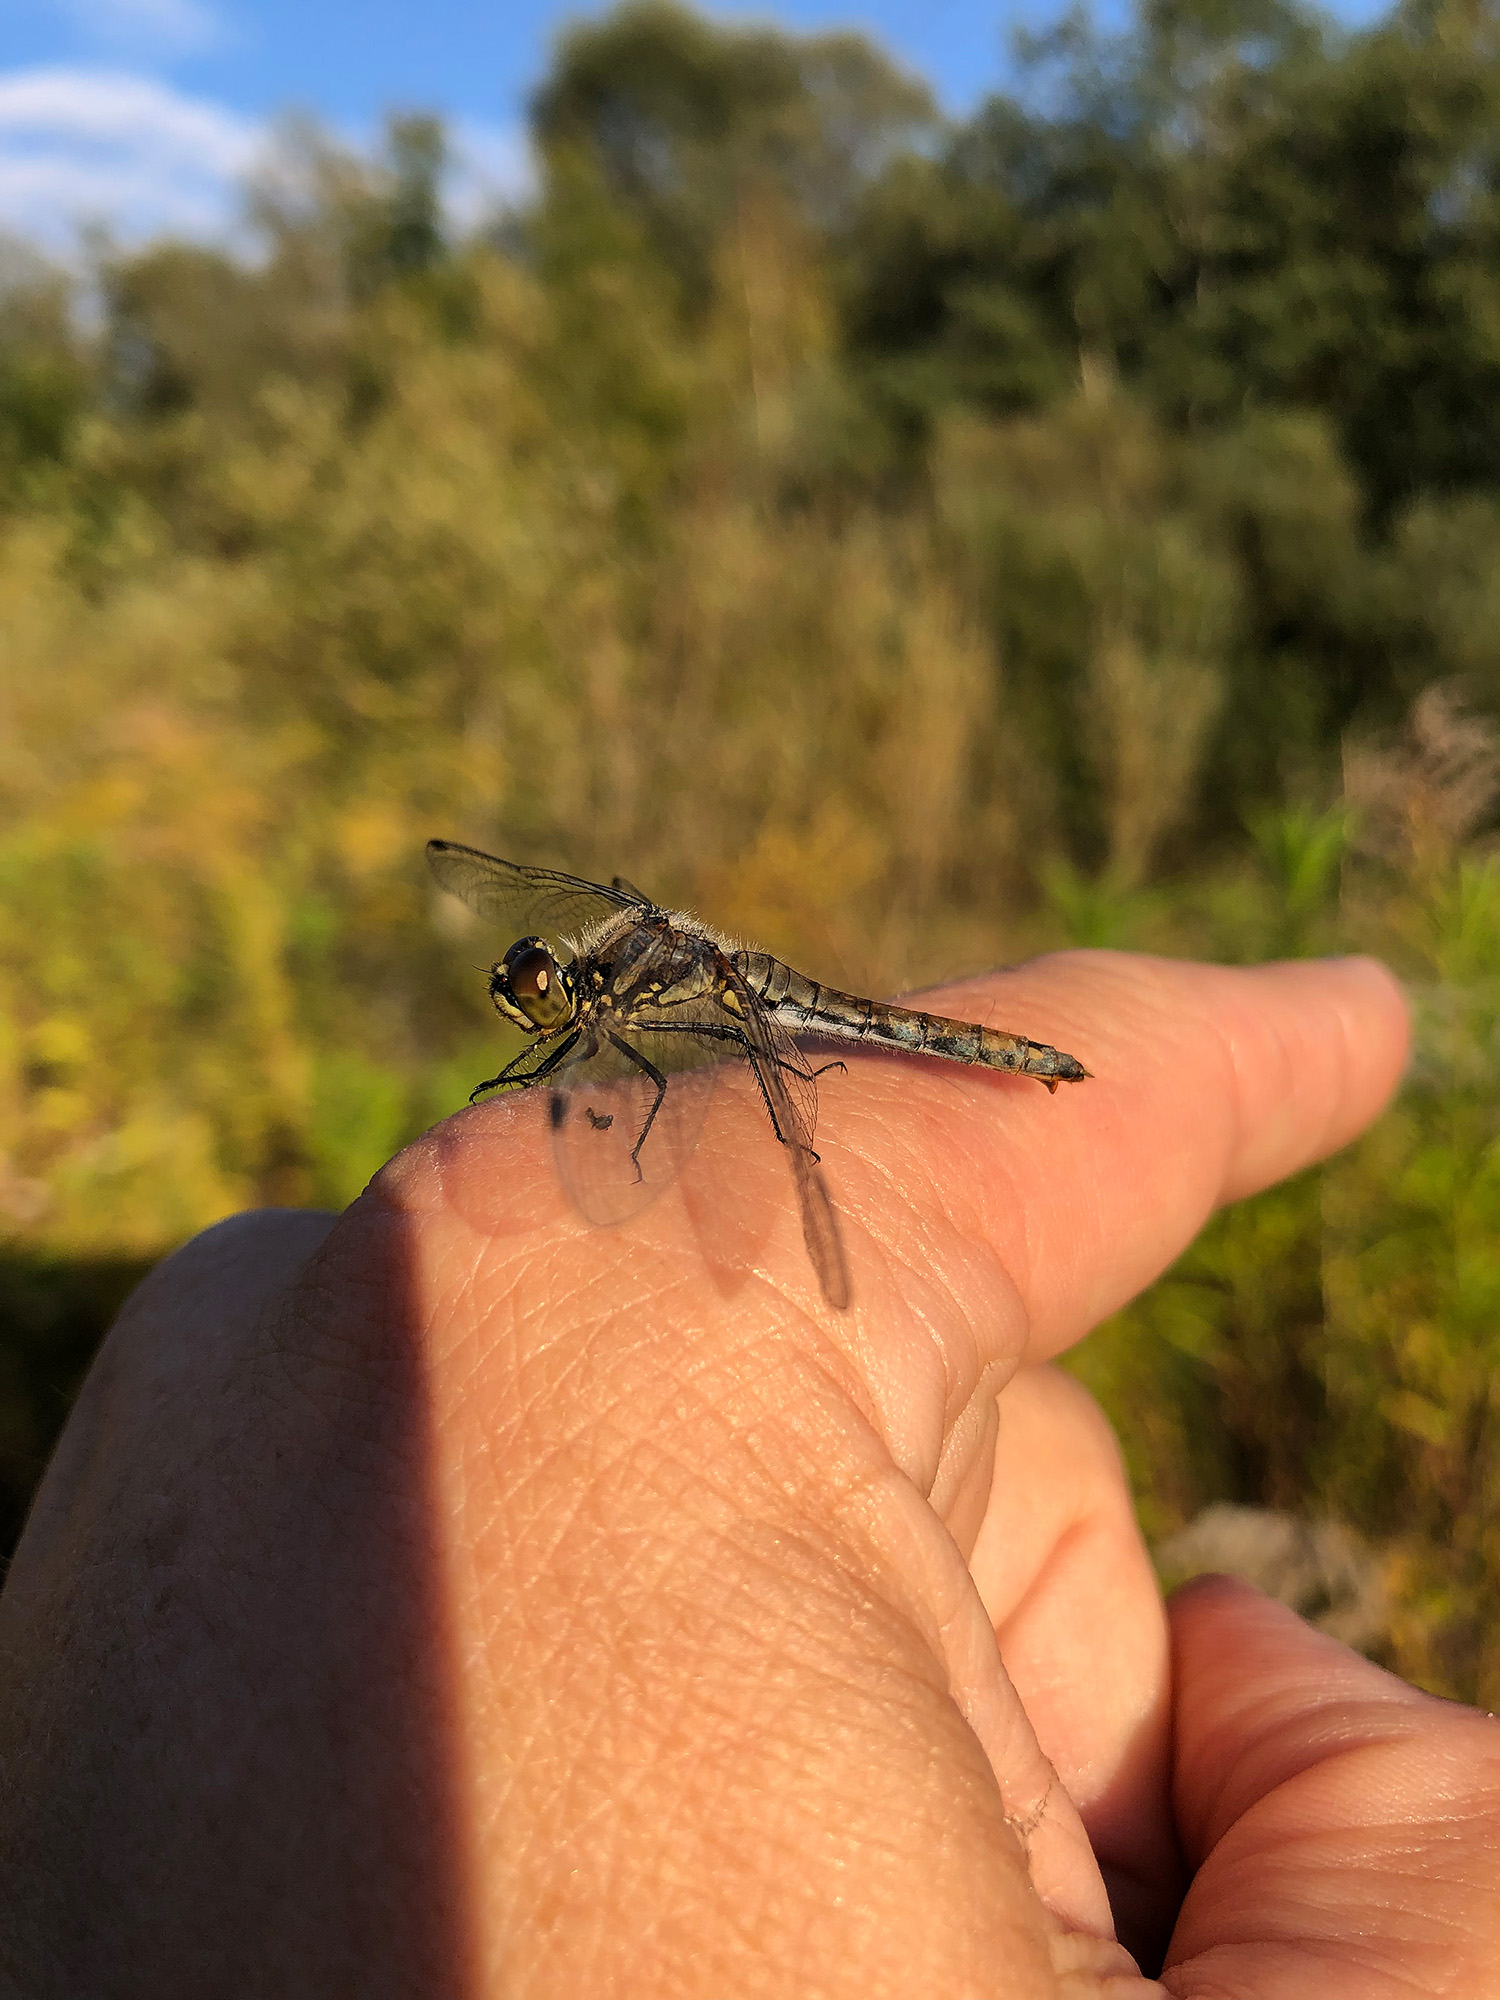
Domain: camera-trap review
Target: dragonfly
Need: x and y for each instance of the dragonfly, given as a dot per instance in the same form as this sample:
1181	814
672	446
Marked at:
630	1009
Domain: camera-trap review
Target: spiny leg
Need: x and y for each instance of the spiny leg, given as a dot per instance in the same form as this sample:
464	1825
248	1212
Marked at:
553	1058
726	1033
643	1063
707	1032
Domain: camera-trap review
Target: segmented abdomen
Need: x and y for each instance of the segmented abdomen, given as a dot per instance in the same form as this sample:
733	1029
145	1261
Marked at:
805	1007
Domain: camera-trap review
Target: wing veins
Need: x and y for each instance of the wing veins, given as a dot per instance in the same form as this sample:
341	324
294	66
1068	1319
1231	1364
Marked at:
794	1109
503	892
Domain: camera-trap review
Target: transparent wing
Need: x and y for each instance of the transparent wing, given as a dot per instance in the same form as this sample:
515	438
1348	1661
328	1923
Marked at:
522	902
790	1091
619	1140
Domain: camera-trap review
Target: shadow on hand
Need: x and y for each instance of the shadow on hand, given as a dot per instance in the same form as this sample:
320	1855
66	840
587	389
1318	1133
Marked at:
227	1758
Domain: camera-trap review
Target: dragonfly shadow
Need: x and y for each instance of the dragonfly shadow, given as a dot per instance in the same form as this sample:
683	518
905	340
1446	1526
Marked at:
736	1189
708	1140
629	997
619	1145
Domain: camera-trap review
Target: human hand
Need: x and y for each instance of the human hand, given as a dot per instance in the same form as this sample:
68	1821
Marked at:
453	1600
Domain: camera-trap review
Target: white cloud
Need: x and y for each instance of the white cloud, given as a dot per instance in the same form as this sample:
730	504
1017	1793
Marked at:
174	27
490	166
99	148
93	147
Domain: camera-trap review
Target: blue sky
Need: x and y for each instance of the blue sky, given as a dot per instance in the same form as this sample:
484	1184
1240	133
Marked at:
143	115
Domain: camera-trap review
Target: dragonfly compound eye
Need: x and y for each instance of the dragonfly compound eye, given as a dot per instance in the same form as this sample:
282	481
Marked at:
535	984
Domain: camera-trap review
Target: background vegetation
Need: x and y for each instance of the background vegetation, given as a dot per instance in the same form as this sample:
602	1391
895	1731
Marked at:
912	544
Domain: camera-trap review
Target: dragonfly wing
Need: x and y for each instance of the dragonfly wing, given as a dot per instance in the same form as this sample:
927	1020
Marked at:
522	902
792	1096
603	1105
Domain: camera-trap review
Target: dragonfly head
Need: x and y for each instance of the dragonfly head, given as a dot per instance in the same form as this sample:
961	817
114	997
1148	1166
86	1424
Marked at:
531	989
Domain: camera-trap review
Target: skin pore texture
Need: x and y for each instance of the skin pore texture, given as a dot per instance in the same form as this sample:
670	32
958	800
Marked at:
448	1599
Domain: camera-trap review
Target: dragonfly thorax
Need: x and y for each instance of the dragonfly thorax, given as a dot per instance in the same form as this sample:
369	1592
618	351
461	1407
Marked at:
530	988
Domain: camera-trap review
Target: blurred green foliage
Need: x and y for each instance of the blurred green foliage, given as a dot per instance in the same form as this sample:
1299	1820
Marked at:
910	544
1330	1348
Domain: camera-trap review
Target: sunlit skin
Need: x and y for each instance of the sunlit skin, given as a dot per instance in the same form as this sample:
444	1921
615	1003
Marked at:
660	992
451	1599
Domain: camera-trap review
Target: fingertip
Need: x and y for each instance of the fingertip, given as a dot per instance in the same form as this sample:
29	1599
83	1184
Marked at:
1377	1017
1316	1055
1259	1695
1227	1634
1211	1083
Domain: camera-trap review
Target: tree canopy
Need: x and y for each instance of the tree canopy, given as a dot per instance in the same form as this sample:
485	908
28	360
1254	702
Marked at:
908	541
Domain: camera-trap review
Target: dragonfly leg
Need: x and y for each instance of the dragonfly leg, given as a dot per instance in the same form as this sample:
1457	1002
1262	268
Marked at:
508	1075
725	1033
754	1061
800	1069
706	1033
643	1063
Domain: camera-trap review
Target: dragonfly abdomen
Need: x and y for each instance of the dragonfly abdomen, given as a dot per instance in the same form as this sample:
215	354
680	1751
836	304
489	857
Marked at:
808	1008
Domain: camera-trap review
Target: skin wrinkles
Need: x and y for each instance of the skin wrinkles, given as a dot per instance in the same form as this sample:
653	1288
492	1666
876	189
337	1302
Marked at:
1295	1075
687	1686
945	1301
923	1392
991	1641
740	1377
937	1115
993	1223
889	1515
632	1456
960	1488
1334	1744
1137	1072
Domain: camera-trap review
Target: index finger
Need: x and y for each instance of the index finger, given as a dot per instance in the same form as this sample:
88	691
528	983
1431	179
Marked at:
1208	1083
